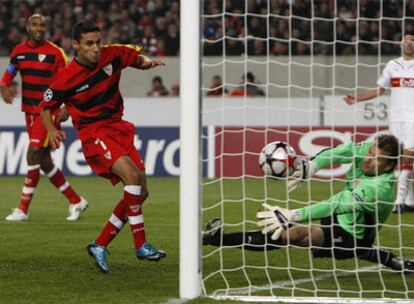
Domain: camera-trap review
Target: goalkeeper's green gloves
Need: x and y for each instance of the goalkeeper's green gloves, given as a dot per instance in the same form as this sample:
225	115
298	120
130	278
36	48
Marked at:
276	219
306	169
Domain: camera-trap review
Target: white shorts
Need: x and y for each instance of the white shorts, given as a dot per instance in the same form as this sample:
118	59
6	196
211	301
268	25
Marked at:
404	131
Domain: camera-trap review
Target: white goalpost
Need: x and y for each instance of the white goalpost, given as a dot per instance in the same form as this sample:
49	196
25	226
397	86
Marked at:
284	67
190	267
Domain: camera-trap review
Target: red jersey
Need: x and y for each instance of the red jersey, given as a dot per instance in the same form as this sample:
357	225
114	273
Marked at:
92	95
37	64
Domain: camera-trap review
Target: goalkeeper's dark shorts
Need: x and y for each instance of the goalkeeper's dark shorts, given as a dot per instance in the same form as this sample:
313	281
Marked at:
338	243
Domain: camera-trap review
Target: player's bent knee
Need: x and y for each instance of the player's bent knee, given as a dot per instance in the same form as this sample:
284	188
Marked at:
144	194
132	177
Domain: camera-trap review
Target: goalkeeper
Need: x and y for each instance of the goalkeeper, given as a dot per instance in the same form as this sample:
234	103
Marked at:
349	220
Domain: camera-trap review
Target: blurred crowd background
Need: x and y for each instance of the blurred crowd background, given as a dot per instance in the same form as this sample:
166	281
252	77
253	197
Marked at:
319	27
274	27
270	28
151	23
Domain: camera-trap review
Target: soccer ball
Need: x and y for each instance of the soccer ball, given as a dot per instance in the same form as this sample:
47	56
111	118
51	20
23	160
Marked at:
278	159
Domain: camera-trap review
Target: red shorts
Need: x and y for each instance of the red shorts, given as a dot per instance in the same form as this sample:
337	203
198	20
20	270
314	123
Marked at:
103	145
38	135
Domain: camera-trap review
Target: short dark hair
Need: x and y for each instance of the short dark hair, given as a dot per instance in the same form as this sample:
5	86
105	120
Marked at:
391	147
157	78
217	77
249	76
83	27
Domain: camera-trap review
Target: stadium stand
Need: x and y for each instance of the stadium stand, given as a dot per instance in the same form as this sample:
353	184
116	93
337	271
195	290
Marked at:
155	25
337	27
152	23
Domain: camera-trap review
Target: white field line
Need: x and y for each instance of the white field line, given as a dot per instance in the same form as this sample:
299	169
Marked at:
286	283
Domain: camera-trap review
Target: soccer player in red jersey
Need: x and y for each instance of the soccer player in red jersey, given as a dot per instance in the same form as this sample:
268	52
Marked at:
89	87
38	61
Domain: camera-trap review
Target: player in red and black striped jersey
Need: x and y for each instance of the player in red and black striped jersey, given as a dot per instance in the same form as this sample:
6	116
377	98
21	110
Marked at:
38	61
89	87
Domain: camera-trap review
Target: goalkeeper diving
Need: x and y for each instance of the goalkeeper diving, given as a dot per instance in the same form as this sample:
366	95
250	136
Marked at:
349	220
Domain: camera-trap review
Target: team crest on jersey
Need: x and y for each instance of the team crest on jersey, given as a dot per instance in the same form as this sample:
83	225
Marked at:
108	155
108	69
41	57
48	95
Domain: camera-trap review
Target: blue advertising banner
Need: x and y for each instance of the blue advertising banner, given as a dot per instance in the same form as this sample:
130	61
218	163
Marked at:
158	146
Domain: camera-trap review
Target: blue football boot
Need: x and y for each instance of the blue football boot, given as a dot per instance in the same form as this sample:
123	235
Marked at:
99	254
150	253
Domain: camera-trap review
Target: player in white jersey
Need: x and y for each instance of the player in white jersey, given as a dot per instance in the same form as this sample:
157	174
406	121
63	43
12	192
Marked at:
398	76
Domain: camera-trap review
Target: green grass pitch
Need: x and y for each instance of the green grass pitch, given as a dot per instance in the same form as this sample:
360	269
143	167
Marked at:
44	260
242	198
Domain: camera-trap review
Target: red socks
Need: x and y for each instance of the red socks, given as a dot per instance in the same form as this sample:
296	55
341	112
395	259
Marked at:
56	178
129	208
114	225
30	183
132	201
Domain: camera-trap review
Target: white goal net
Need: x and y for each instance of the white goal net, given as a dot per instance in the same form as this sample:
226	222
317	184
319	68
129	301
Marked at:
278	70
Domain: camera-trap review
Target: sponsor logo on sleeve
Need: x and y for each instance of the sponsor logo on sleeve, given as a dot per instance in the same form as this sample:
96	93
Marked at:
48	95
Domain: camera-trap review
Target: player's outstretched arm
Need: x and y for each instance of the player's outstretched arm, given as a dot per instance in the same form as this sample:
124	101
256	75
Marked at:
7	94
306	169
367	95
56	136
144	63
